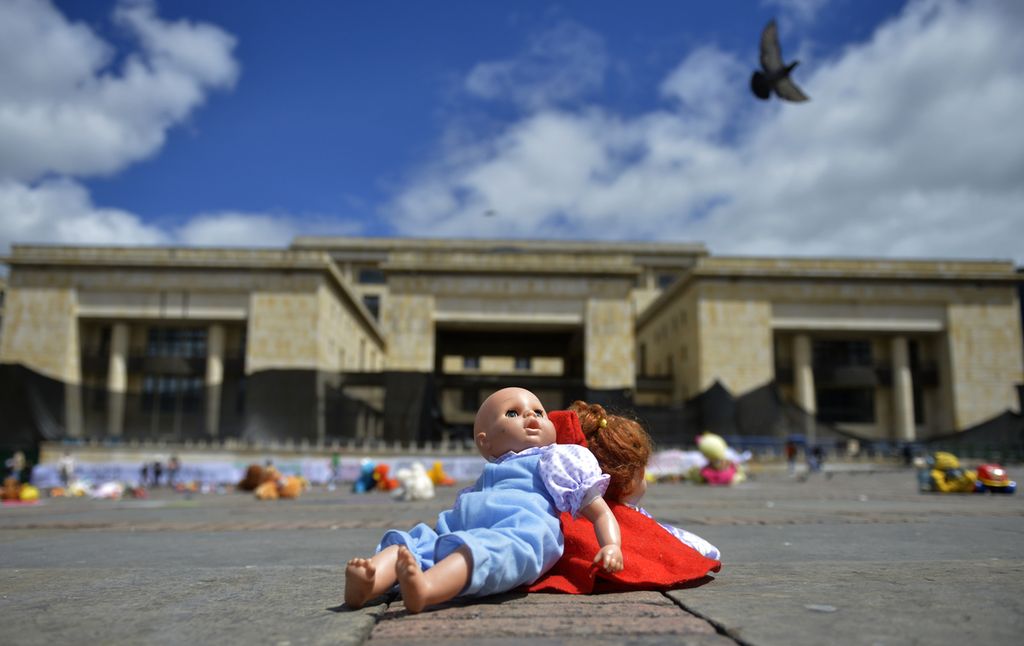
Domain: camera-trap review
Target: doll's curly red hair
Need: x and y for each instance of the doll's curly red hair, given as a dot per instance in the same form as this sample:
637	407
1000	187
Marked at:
620	444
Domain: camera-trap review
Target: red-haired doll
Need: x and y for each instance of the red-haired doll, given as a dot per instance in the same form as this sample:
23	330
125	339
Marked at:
622	448
656	557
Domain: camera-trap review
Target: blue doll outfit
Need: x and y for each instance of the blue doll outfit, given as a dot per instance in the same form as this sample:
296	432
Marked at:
509	518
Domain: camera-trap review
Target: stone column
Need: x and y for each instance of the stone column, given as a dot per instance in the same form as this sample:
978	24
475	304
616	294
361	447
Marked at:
803	379
117	379
214	377
73	410
902	391
649	279
609	342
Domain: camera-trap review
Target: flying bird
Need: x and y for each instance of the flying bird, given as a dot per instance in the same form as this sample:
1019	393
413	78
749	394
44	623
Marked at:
774	73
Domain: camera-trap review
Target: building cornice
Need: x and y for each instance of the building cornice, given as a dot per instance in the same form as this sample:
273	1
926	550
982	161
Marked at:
615	265
504	245
952	272
164	257
194	258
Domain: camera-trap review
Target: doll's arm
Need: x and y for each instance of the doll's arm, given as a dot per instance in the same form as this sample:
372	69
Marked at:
608	537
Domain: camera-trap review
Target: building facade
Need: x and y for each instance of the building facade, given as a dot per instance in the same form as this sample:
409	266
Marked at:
891	350
339	339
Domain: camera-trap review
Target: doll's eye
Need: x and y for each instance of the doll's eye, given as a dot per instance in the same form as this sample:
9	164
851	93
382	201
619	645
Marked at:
539	412
511	413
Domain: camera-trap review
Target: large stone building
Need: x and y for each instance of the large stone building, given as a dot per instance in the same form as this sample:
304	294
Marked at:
337	339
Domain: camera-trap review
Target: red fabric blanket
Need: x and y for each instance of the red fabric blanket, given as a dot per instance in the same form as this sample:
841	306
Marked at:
653	558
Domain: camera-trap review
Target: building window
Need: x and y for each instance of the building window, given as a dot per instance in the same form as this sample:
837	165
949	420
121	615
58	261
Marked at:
168	393
471	363
372	303
176	342
664	280
523	363
470	399
372	277
835	354
852	405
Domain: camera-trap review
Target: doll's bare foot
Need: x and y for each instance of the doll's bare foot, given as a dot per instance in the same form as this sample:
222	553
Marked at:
411	581
359	577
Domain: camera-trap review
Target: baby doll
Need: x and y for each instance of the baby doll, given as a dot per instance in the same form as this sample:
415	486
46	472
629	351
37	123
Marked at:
622	448
503	532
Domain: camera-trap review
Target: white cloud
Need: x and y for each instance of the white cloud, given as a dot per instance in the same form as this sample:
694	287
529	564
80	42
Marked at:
560	64
65	110
911	146
61	212
69	108
235	229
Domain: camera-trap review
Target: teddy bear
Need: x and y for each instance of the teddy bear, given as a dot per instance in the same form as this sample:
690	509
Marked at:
414	483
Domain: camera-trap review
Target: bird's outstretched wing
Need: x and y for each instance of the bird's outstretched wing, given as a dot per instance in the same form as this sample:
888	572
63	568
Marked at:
771	52
788	90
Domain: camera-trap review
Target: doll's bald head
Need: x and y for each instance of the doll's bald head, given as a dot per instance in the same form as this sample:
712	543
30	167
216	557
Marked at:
511	419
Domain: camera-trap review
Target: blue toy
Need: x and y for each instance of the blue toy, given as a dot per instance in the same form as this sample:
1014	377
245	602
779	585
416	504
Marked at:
365	482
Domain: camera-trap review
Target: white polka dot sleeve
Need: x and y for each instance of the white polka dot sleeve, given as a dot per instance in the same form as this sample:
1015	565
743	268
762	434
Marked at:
572	477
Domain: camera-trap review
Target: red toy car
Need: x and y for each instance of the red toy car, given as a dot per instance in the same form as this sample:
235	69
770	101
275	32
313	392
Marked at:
993	478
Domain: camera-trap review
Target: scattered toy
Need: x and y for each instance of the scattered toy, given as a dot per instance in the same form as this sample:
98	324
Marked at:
439	477
382	480
365	482
719	470
414	483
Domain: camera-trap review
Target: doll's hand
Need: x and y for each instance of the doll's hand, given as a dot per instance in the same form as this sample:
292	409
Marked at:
609	558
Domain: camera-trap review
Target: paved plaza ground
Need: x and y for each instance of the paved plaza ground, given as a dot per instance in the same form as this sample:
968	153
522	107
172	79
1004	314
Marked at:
852	557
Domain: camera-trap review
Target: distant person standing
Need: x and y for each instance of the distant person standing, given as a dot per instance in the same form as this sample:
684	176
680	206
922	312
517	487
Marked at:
158	472
67	469
173	469
791	457
144	474
818	458
908	455
15	465
335	471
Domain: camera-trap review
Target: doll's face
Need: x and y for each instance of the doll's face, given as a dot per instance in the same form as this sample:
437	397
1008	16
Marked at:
511	419
637	488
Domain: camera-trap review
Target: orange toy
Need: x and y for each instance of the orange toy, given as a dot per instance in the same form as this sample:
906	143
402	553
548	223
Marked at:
256	475
267	491
380	475
12	489
286	487
439	477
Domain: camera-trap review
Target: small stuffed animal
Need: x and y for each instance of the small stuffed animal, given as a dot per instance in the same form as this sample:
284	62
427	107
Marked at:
439	477
287	487
256	475
383	480
414	483
720	470
947	476
365	482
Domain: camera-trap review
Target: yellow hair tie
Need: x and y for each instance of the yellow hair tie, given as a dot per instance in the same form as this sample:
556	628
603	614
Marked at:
603	423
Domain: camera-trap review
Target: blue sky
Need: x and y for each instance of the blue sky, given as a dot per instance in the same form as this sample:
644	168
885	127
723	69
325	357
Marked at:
249	122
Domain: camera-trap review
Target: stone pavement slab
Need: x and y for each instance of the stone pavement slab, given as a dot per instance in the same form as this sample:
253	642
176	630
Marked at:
639	617
932	602
179	605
